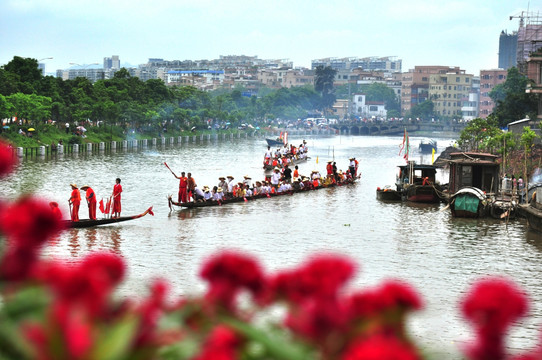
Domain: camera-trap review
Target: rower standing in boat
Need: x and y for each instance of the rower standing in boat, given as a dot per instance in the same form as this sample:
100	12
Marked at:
117	190
352	167
275	178
222	182
287	174
183	183
91	201
75	201
190	185
229	189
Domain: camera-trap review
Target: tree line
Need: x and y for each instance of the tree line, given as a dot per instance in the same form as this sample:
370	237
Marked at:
127	101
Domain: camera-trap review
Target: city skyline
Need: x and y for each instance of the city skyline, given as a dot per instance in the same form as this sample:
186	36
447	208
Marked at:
420	32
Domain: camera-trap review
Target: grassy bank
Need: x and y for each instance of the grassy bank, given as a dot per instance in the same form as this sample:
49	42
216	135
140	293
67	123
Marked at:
50	134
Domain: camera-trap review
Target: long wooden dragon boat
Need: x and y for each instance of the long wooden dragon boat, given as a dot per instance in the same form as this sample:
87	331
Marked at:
247	198
86	223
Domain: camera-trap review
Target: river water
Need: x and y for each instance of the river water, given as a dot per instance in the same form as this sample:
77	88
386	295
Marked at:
422	244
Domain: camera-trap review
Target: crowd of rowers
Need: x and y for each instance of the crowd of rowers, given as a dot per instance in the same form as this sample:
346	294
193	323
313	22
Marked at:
285	155
282	180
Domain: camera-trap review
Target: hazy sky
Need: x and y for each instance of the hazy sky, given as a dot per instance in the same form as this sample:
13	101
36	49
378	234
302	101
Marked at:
461	33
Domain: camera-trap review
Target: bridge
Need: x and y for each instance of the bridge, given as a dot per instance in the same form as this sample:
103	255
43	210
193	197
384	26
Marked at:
396	127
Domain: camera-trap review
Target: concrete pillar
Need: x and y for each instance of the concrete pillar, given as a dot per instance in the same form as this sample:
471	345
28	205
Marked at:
201	138
136	143
113	145
187	139
179	140
194	138
172	140
124	144
41	150
89	147
60	149
209	137
76	148
154	142
101	146
20	152
144	143
163	141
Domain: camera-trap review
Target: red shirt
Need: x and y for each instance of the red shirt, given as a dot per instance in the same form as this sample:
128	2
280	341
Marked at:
117	189
75	196
183	182
91	197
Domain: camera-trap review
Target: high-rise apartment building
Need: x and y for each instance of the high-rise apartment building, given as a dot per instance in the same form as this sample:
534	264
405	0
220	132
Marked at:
112	62
415	84
508	44
388	63
448	92
488	80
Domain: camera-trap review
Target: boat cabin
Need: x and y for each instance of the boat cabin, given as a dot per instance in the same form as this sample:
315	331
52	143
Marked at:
478	170
414	174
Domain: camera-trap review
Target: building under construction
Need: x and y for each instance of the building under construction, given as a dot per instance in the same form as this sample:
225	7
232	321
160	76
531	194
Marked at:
529	37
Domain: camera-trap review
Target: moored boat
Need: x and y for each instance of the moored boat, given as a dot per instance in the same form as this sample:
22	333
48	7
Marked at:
533	211
86	223
427	146
469	202
388	194
503	208
417	183
473	182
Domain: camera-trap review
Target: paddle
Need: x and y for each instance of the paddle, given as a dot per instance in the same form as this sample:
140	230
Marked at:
71	214
169	169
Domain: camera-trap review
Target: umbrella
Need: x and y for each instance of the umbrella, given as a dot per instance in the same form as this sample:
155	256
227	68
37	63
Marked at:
81	128
31	129
6	127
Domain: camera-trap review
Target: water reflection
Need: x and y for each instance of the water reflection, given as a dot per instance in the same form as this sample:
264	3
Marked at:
420	243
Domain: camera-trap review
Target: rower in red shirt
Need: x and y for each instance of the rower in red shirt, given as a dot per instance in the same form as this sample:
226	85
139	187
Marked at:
183	183
117	190
75	201
91	201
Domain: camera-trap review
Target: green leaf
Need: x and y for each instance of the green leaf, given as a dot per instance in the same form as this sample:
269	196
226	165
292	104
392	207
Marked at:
114	341
276	346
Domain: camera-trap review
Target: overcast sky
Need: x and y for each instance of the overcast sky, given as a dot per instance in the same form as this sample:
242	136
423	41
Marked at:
461	33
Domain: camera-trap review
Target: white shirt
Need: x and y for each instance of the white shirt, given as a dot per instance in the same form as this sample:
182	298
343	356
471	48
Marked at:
275	178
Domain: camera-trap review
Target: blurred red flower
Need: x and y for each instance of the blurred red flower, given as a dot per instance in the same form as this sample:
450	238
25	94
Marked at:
380	347
7	160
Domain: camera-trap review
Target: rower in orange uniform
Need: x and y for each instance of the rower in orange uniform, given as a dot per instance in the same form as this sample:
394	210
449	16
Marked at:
183	183
75	201
91	201
117	189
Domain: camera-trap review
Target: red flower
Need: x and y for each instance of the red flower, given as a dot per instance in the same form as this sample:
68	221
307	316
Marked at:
380	347
150	312
88	283
317	319
494	303
396	294
7	160
492	306
221	344
322	277
228	272
29	222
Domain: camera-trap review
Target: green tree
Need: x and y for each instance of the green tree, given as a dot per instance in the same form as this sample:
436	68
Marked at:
323	83
380	92
423	110
477	133
512	101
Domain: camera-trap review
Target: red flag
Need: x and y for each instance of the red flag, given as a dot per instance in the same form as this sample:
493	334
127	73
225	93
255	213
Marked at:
402	146
108	206
102	206
407	150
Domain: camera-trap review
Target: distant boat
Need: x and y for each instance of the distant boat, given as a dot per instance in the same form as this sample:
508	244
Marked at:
275	142
427	146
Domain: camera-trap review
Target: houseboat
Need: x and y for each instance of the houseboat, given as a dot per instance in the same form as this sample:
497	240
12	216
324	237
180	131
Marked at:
417	183
473	183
